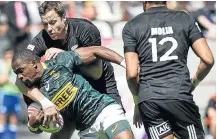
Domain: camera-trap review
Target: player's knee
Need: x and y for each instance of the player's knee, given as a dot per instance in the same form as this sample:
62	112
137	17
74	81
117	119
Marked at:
169	137
124	135
120	130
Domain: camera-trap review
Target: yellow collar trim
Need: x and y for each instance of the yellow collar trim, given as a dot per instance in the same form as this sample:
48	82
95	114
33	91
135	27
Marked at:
43	65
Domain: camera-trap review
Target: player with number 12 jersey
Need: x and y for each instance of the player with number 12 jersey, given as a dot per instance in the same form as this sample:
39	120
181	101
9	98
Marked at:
162	48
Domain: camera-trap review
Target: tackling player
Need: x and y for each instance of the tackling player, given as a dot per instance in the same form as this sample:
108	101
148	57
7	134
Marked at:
67	34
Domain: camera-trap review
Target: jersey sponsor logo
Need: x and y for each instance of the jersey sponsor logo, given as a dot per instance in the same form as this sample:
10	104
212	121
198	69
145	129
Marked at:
31	47
65	96
55	74
114	128
162	30
47	86
74	47
163	128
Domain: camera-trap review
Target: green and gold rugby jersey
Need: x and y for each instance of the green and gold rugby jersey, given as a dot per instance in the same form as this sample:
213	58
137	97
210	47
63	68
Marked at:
70	92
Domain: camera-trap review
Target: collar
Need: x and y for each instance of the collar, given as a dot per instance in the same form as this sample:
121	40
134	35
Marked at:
156	9
43	65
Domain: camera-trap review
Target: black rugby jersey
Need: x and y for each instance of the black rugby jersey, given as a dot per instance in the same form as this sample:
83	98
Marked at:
161	38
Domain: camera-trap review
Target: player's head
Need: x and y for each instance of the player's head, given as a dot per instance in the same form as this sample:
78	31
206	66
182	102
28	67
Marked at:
149	4
26	64
53	16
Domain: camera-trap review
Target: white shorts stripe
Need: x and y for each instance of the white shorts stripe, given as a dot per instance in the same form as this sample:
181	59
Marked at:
194	132
189	132
155	132
151	133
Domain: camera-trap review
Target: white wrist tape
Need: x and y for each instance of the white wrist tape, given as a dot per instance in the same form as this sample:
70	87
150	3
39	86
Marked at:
123	64
45	103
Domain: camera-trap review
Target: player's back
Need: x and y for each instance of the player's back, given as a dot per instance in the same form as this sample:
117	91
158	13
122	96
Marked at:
71	93
162	38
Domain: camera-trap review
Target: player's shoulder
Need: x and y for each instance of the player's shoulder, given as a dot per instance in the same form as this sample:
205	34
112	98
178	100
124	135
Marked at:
79	21
136	19
65	55
135	22
40	37
184	14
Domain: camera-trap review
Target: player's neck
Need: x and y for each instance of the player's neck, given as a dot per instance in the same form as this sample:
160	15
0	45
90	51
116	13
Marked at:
154	6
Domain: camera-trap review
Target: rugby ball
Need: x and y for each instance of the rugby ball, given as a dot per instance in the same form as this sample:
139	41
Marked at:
52	127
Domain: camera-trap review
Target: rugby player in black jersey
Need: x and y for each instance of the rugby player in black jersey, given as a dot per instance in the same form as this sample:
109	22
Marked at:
159	39
66	34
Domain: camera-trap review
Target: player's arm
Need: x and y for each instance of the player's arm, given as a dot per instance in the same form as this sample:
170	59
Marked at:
87	37
50	111
34	94
131	58
133	82
132	75
89	54
201	49
35	116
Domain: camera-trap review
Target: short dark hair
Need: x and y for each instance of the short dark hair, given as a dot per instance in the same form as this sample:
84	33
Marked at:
25	56
52	5
157	2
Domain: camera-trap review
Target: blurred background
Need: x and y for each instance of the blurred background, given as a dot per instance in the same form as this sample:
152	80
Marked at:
20	22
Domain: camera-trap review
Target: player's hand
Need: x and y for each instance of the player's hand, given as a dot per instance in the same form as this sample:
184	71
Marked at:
194	82
36	119
52	53
137	120
50	114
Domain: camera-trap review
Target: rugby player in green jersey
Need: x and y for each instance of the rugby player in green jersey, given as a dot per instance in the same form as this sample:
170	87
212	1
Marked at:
93	111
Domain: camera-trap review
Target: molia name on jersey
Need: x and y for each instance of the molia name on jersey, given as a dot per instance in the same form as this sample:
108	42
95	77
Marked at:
161	31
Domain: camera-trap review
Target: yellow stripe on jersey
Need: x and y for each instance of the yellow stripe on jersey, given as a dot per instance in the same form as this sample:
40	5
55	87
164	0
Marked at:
65	96
43	65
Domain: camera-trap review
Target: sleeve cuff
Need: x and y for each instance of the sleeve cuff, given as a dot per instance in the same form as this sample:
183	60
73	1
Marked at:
196	37
129	49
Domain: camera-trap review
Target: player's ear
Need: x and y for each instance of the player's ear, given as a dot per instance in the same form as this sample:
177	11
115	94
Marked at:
64	18
34	64
144	7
